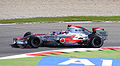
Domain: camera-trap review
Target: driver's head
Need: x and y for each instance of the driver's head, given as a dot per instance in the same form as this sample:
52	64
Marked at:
69	25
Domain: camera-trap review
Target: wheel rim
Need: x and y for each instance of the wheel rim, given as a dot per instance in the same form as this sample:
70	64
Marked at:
97	42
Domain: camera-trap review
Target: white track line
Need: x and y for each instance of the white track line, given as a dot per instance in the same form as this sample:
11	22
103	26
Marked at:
16	56
78	49
83	22
63	50
7	24
79	22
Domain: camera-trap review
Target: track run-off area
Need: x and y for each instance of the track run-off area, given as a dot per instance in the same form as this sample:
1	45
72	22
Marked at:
10	31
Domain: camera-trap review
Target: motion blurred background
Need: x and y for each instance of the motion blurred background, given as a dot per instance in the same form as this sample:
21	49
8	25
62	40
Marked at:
51	8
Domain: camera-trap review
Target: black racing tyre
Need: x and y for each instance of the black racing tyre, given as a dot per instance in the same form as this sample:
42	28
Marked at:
35	42
27	33
96	42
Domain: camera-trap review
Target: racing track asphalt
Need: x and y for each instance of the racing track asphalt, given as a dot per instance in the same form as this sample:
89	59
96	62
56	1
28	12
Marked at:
8	32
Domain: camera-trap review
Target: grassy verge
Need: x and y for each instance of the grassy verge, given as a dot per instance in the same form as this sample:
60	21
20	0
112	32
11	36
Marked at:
32	61
89	54
63	19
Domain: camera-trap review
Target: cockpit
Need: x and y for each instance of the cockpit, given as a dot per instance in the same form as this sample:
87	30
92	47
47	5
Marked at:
75	30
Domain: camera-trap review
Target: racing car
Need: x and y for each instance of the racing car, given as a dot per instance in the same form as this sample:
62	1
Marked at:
74	35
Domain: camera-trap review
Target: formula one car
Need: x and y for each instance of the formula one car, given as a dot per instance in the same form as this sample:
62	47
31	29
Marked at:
74	35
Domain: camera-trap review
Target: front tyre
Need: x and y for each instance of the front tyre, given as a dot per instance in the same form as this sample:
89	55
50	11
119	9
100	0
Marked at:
96	42
35	42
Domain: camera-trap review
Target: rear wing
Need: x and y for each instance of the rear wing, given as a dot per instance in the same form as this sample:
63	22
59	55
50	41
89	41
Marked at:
101	32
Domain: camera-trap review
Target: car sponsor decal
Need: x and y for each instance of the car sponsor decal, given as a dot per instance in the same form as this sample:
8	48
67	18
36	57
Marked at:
77	61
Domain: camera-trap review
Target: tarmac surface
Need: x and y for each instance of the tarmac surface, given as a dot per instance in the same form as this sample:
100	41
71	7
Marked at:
8	32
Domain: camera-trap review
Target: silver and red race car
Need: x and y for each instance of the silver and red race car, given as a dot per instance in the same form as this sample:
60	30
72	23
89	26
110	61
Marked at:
74	35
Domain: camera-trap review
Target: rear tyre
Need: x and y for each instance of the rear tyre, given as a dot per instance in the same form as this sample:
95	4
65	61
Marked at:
96	42
35	42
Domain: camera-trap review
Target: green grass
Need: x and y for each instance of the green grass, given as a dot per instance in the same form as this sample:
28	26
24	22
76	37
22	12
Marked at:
32	61
63	19
89	54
